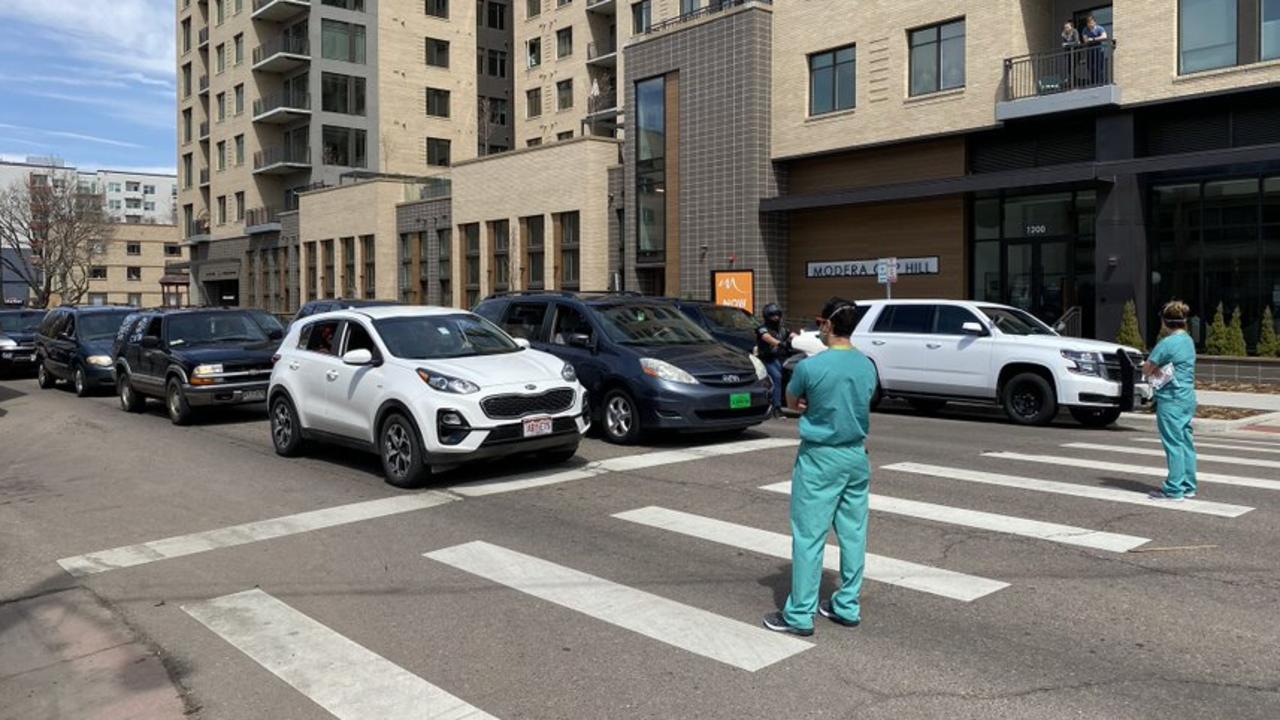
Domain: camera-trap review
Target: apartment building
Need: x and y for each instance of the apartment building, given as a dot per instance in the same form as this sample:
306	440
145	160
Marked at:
278	97
130	197
142	265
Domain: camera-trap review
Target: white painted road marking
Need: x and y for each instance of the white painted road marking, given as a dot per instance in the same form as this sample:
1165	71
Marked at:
1152	452
1139	469
344	678
1063	488
1225	446
1007	524
698	631
181	545
936	581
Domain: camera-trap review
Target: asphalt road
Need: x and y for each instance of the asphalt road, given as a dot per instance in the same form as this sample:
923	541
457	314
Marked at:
524	596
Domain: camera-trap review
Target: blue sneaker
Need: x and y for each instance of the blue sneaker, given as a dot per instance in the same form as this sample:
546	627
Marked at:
1161	495
826	611
777	623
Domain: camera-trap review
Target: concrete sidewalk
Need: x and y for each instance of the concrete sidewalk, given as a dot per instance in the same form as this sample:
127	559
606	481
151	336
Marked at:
1248	401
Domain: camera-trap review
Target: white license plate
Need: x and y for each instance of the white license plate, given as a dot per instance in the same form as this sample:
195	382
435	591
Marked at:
534	427
255	395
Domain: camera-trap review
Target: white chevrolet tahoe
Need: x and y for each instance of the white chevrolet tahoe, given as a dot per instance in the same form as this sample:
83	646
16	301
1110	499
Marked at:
931	352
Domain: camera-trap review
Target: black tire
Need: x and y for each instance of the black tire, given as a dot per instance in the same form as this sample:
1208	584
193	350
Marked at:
1029	400
80	382
620	418
1095	417
286	428
559	455
400	449
175	402
926	406
44	378
130	400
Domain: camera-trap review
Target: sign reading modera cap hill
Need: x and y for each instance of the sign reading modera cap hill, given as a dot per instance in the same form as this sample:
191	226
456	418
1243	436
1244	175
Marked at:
868	268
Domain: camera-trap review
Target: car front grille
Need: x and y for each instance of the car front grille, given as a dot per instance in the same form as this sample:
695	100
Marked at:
515	433
738	379
1112	367
503	407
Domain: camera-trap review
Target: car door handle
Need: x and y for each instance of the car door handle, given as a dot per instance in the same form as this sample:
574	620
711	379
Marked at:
933	346
877	342
294	365
332	374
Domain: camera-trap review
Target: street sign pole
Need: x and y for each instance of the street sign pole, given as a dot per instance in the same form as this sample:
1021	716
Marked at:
887	275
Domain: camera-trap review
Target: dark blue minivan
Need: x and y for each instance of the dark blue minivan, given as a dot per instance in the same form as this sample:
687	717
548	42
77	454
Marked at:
74	343
645	365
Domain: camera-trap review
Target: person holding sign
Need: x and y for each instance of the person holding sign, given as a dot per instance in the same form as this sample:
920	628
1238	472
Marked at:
830	480
1171	369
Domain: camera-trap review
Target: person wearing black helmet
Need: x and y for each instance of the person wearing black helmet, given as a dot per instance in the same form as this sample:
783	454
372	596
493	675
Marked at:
771	348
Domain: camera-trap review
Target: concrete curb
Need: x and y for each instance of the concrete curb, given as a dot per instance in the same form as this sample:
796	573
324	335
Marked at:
1212	426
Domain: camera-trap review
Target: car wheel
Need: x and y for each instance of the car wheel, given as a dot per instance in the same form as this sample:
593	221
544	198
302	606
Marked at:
1095	417
620	418
43	377
1029	400
130	400
176	403
80	381
286	428
926	406
401	451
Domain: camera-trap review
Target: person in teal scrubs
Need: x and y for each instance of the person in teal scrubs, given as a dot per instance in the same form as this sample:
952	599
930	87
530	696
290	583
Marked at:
1176	402
829	482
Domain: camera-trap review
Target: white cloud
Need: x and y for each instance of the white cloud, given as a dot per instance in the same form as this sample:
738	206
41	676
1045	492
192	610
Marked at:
71	135
133	36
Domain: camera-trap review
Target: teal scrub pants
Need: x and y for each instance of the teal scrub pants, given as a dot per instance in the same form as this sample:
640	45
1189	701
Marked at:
828	487
1173	419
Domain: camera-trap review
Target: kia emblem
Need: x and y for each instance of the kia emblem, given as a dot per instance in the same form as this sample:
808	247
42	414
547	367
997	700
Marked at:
731	378
530	387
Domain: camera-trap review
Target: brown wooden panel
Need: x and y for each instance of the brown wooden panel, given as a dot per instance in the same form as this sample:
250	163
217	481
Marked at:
930	160
672	87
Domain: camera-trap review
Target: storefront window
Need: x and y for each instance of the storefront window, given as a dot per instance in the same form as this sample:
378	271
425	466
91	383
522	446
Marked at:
986	219
986	271
1038	216
651	174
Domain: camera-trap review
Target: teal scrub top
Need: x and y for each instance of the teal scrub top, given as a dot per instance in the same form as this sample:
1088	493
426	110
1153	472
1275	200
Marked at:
838	385
1180	350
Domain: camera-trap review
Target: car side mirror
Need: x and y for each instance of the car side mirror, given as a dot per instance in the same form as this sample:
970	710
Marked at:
359	356
150	342
580	340
973	328
275	334
523	343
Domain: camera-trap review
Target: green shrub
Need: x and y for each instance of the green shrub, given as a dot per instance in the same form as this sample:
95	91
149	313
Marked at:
1238	347
1217	341
1129	334
1268	343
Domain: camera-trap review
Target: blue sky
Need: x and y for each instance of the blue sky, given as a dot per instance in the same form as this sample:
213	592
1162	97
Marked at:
90	81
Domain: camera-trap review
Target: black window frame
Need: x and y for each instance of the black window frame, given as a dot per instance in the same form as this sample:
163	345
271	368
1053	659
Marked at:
435	97
437	144
441	50
887	319
436	8
937	42
834	67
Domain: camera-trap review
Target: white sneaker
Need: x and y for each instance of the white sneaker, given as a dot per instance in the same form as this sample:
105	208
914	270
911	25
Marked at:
1159	495
1189	495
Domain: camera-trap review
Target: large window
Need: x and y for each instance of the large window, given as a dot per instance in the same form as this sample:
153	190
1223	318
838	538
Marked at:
641	17
533	53
1270	29
326	249
570	244
370	283
437	53
500	257
533	102
342	41
564	94
437	102
355	5
342	94
564	42
344	147
535	230
438	152
651	170
498	63
533	8
937	57
437	8
1207	34
497	15
831	80
348	267
444	241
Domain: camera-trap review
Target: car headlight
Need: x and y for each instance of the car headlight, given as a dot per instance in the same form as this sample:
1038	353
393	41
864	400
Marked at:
7	343
1084	363
206	370
568	373
447	384
99	360
664	370
761	372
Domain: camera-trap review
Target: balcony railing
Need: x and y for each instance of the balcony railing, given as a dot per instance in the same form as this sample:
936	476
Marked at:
595	50
202	37
254	217
286	45
603	102
711	8
204	84
286	100
281	155
204	130
259	4
1074	68
204	176
197	229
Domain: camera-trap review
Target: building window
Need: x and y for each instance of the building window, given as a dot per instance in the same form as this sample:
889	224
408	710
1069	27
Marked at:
133	248
500	257
134	299
133	273
343	146
221	102
239	95
438	8
937	57
220	155
240	206
97	298
533	8
186	36
149	206
97	272
239	143
651	169
348	266
309	279
148	189
444	241
133	203
437	53
172	250
188	173
497	111
342	41
220	53
222	209
569	243
370	266
564	42
533	142
534	53
438	152
497	16
688	7
564	94
498	63
437	102
186	81
115	205
533	102
1208	34
353	5
326	250
566	135
187	126
1270	29
238	48
832	80
535	240
641	17
342	94
471	247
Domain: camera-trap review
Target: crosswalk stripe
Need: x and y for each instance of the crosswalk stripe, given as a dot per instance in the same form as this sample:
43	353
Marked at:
336	673
1063	488
698	631
1008	524
1222	446
936	581
1238	480
182	545
1152	452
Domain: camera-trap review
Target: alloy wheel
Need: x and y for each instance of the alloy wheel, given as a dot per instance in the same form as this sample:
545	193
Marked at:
397	450
80	381
126	395
618	416
282	424
175	409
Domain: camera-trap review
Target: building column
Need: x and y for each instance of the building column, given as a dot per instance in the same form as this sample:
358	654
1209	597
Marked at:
1120	256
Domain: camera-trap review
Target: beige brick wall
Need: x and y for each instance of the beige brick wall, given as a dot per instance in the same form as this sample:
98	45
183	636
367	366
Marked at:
355	210
562	177
117	260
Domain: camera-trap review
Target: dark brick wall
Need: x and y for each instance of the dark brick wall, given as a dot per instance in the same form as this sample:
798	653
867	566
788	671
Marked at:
724	64
426	216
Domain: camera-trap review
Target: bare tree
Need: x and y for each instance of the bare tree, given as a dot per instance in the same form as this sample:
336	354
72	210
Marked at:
52	231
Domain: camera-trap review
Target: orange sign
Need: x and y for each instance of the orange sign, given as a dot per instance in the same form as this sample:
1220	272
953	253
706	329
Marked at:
735	288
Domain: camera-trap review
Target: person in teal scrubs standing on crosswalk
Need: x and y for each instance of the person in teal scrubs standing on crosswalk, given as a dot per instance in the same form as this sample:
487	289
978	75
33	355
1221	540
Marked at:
1176	402
830	480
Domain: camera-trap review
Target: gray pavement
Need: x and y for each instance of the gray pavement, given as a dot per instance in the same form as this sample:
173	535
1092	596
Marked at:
613	618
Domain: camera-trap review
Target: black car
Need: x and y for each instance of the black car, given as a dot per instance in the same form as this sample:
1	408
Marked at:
192	358
730	325
645	365
74	343
315	307
18	340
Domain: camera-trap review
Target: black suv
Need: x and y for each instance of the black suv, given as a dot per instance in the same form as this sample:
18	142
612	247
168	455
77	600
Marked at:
315	307
193	357
74	343
18	340
645	365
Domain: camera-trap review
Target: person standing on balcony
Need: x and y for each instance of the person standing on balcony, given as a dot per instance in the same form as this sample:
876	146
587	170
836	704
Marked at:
1070	36
1094	35
1070	44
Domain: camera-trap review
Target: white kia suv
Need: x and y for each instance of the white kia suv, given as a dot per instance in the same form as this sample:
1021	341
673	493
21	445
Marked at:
426	388
931	352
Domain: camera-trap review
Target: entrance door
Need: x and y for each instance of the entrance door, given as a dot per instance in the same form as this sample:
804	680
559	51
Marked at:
223	293
1041	278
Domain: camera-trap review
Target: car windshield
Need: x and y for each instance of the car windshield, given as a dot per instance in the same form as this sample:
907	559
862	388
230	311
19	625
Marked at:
267	321
100	325
650	324
1016	322
212	328
20	322
729	318
436	337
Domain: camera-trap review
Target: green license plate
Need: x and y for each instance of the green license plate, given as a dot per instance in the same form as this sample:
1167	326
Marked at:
737	401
